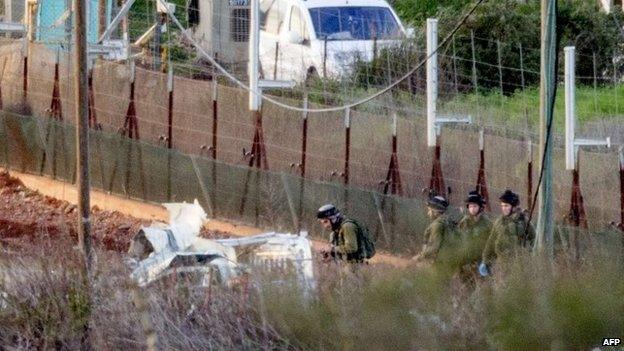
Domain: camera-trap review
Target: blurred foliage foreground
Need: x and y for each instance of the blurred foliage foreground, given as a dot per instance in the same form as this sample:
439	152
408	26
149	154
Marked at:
529	303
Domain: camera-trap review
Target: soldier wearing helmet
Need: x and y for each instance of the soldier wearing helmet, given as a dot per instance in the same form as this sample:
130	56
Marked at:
349	239
510	231
474	229
439	233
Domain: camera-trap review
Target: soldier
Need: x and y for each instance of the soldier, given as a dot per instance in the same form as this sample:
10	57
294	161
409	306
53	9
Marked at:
510	231
474	230
349	239
439	233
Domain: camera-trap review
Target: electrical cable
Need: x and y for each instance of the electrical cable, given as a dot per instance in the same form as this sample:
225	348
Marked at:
327	109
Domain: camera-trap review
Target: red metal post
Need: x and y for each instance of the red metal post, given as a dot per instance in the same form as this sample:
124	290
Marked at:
170	121
304	141
131	126
215	115
437	179
481	182
25	78
56	111
577	210
530	174
393	177
258	151
347	122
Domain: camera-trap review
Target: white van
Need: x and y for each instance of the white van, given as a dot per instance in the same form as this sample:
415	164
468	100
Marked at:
299	38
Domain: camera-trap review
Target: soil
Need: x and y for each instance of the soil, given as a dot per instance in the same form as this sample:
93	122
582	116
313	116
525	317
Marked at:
28	215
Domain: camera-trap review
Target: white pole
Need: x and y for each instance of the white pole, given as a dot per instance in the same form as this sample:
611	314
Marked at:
394	124
347	118
170	79
132	71
570	108
432	79
481	140
254	50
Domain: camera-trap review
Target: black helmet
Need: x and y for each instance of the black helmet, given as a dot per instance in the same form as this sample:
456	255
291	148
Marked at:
437	202
327	211
509	197
475	198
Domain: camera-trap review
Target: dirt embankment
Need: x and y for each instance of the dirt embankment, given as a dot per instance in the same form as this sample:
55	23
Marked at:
27	215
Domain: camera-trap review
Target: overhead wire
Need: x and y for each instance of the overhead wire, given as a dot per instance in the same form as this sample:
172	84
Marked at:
326	109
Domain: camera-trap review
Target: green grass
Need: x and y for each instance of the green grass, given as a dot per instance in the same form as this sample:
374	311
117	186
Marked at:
522	108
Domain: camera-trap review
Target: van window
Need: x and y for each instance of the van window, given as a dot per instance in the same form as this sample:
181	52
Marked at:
192	11
239	24
271	20
354	23
297	24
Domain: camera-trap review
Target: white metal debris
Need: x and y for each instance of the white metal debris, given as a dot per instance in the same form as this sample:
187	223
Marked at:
176	248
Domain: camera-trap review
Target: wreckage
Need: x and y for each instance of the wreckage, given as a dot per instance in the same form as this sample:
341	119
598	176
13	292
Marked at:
161	250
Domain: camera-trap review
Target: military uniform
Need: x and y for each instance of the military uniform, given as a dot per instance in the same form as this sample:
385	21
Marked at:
508	233
474	233
344	241
438	235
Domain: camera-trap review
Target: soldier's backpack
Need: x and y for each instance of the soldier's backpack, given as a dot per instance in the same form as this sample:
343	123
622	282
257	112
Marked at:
366	244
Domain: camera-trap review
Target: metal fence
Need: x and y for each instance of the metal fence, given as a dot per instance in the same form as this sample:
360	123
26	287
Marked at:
211	133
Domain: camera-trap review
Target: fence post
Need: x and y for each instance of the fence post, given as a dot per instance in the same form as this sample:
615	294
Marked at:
25	72
615	86
455	67
500	67
522	81
347	123
170	108
436	184
595	83
215	116
622	192
474	63
432	79
393	177
529	145
170	131
276	61
304	139
481	182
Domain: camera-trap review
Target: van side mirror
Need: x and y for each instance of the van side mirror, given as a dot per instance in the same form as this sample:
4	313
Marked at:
410	32
293	37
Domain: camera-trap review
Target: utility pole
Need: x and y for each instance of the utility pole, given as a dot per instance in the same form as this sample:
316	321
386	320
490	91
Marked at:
548	84
82	146
101	17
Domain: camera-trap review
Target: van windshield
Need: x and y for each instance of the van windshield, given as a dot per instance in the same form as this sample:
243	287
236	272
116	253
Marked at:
354	23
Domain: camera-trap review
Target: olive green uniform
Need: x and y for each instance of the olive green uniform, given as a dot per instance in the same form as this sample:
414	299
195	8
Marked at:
438	235
344	241
508	233
474	233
